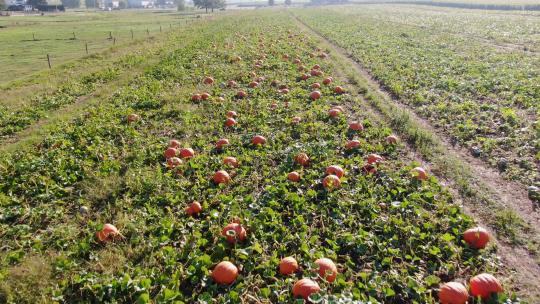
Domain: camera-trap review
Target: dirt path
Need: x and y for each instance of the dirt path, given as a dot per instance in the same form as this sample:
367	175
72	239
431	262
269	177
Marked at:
519	265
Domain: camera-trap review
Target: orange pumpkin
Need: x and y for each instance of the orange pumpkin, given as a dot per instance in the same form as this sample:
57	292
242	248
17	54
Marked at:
232	84
221	177
241	94
293	176
253	84
315	95
316	85
234	232
374	158
453	293
352	144
231	114
335	170
170	152
302	159
331	182
391	139
173	143
108	233
230	161
208	80
132	118
258	140
327	269
339	90
334	112
476	237
196	97
420	173
221	143
194	208
173	162
225	273
288	266
187	153
356	126
284	91
483	285
230	122
304	288
205	96
327	80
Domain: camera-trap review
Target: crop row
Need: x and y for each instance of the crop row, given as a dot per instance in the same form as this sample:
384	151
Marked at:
483	97
393	237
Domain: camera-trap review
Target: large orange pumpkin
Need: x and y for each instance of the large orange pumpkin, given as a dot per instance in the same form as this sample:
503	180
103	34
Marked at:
288	266
231	114
225	273
302	159
304	288
173	143
293	176
170	152
108	233
476	237
258	140
234	232
230	161
331	182
420	173
327	269
187	153
315	95
230	122
335	170
453	293
221	143
352	144
356	126
221	177
483	285
194	208
374	158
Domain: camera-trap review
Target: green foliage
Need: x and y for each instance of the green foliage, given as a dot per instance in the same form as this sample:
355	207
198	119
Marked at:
469	91
394	237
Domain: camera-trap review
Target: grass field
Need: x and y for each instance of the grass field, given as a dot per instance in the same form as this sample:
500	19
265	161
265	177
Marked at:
133	142
21	55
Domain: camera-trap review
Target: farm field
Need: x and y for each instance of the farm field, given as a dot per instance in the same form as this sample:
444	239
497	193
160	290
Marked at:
466	72
395	234
21	55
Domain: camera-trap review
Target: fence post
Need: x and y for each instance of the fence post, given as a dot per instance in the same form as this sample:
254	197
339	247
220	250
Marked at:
147	32
131	34
110	35
49	60
114	41
86	46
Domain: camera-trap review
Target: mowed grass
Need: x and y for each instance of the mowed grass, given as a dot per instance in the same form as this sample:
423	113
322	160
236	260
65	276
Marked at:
21	55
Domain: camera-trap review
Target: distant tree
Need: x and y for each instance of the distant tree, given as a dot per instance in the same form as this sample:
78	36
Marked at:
2	4
181	5
288	2
71	3
209	4
122	5
271	2
90	3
